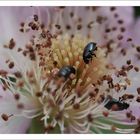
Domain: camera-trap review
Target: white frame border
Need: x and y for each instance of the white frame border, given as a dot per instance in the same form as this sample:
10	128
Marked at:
69	3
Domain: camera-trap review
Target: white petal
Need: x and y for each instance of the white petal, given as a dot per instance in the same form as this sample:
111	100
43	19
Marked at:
8	106
16	125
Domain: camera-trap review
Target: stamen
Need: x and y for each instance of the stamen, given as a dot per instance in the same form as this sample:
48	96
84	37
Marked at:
5	117
16	96
138	90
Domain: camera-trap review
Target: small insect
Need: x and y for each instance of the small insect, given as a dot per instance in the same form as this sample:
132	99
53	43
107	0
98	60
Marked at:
120	105
89	52
66	72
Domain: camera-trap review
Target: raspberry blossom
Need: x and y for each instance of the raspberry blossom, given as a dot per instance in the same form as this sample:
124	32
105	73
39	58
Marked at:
32	92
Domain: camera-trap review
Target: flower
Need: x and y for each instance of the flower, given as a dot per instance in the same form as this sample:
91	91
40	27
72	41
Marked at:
97	98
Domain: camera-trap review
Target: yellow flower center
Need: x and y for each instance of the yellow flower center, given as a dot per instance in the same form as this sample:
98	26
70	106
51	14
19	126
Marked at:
68	51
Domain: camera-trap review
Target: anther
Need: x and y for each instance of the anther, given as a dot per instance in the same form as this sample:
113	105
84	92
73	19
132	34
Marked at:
120	21
58	26
138	90
129	39
68	27
49	128
20	106
105	113
90	118
16	96
38	94
5	117
128	62
76	106
79	27
122	29
71	14
113	8
120	37
138	99
35	17
11	65
113	128
22	24
18	74
136	69
12	44
138	49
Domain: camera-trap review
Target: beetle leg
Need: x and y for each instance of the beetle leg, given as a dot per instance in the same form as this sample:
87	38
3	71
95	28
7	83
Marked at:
96	48
120	99
94	54
91	55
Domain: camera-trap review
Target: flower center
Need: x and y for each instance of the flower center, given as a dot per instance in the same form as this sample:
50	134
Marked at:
62	99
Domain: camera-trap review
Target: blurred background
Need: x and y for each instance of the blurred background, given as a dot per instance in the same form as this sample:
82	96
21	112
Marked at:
137	11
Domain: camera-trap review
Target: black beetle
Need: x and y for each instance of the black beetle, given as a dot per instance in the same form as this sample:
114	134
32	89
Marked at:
120	105
89	52
66	72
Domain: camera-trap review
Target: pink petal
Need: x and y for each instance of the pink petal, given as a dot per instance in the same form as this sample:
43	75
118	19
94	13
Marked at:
15	124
